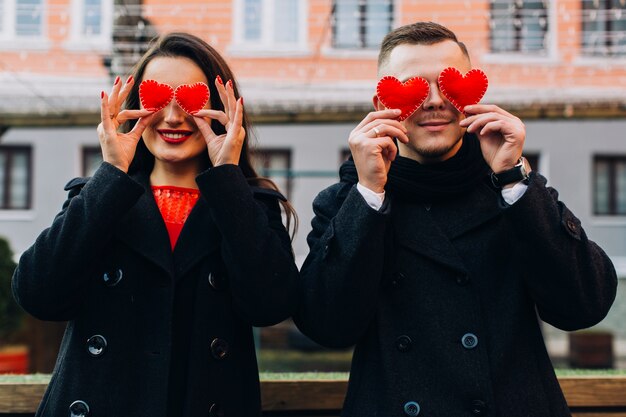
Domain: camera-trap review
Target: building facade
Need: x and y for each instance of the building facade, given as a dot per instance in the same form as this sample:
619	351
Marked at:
307	69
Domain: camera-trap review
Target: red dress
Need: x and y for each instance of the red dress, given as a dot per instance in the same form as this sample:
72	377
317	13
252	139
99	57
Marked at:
175	204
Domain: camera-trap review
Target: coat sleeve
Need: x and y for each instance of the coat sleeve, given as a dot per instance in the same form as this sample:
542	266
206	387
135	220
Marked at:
51	275
256	248
571	279
342	274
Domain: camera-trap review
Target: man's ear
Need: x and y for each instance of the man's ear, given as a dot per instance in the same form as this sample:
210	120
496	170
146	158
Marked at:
377	104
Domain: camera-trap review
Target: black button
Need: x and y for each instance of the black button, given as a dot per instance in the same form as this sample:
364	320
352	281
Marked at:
217	281
79	409
219	348
462	279
571	225
469	341
479	408
398	278
113	277
411	408
96	345
215	411
403	343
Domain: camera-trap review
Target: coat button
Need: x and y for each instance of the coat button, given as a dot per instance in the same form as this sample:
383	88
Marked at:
571	225
219	348
112	278
411	408
79	409
398	278
215	410
216	281
469	341
462	279
96	345
403	343
479	408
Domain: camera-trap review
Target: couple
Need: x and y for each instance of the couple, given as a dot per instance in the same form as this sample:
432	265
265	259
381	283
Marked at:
433	254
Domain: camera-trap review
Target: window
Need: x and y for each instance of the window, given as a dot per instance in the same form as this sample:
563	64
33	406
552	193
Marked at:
604	27
28	18
274	164
361	24
92	158
271	23
518	26
15	178
92	17
609	185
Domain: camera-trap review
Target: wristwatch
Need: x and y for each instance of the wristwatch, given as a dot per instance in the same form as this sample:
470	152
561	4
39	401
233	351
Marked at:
516	174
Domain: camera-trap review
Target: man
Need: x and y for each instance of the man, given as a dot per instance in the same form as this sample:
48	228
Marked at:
435	269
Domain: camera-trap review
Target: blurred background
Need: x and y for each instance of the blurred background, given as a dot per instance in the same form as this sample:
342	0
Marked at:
307	69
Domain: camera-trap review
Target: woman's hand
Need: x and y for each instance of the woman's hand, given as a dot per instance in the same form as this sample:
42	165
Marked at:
225	148
118	149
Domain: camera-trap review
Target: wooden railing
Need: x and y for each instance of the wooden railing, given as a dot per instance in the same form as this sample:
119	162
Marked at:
587	396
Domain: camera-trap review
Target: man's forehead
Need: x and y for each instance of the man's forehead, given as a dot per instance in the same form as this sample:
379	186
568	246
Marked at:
407	60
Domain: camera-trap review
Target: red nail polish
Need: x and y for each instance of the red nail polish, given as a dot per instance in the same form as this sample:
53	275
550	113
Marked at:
101	94
117	80
230	83
219	80
241	98
130	78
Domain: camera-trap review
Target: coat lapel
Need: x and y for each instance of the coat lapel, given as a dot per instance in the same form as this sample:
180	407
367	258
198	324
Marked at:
415	229
144	231
198	238
432	232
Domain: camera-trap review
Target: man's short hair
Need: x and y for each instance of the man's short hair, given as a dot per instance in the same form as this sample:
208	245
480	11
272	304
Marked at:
419	33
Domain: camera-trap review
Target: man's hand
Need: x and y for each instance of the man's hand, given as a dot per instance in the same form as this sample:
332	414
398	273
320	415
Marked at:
501	134
373	149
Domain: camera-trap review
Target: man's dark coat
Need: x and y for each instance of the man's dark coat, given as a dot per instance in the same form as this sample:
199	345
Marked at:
137	310
441	299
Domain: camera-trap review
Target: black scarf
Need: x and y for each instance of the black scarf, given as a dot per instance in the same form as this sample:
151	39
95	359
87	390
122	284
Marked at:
412	181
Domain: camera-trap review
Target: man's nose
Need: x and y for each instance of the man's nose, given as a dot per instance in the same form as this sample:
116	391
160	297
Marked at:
435	100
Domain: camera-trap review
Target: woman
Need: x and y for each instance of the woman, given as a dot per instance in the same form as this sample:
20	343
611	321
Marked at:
164	259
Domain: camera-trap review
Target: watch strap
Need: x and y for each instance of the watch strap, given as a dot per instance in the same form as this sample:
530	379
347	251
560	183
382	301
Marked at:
515	174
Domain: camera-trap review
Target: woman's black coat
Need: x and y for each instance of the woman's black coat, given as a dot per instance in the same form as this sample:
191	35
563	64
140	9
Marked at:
137	310
441	299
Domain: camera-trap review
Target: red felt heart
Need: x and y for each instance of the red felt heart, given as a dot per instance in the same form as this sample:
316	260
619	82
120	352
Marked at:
406	96
154	95
463	90
192	97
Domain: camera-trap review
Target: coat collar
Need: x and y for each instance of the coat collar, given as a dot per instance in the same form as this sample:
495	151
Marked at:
143	229
430	230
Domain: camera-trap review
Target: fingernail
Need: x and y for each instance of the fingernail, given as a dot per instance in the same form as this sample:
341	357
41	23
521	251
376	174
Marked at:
241	98
101	94
117	80
230	83
219	80
397	111
130	78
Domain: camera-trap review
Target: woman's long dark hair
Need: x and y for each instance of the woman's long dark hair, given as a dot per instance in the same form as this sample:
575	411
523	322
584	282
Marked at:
212	64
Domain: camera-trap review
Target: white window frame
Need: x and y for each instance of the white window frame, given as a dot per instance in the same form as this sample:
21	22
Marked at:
10	41
363	53
78	40
551	52
266	46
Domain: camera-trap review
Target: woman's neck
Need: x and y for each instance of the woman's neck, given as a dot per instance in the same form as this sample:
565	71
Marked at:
179	174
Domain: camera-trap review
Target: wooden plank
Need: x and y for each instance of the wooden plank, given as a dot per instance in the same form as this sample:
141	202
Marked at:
594	391
303	395
20	398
